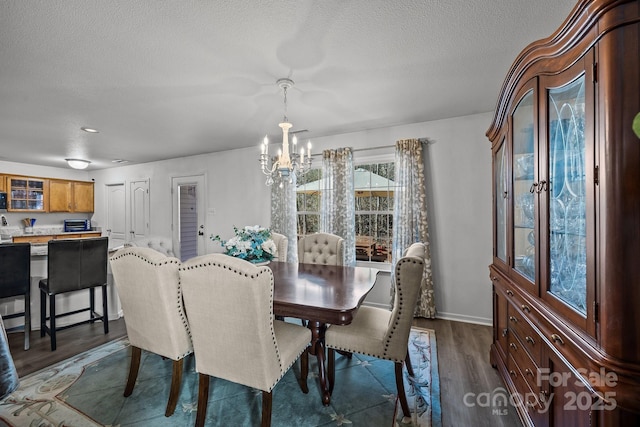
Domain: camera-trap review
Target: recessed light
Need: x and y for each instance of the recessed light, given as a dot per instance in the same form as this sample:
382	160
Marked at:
90	130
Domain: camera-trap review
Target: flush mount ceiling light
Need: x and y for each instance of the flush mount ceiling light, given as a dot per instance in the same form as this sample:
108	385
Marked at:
90	130
78	163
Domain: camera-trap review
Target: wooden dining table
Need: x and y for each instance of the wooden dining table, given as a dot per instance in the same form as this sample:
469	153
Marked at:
323	295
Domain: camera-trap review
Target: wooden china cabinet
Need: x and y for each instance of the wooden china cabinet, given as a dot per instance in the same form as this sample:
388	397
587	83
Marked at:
566	221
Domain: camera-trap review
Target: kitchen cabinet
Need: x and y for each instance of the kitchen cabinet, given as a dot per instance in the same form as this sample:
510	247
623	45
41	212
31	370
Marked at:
3	185
26	194
70	196
566	192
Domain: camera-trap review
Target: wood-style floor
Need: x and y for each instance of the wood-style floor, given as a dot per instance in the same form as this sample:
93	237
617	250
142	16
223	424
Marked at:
463	362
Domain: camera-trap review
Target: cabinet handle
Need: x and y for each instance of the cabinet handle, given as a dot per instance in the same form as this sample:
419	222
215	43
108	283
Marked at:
513	319
557	339
513	373
526	308
542	186
494	279
530	340
513	346
505	332
509	292
531	404
529	372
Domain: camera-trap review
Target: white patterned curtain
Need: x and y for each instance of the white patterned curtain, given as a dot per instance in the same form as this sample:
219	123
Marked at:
410	216
284	213
337	208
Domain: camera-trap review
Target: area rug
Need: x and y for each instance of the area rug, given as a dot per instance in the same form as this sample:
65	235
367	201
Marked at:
86	390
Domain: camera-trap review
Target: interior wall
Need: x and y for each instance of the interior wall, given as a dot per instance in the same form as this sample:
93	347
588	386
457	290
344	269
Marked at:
458	169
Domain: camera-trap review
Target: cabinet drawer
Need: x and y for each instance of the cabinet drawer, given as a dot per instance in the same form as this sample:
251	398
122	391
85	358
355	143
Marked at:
31	239
528	368
530	339
527	398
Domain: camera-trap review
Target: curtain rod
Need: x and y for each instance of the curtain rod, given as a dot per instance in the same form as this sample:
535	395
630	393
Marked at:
355	150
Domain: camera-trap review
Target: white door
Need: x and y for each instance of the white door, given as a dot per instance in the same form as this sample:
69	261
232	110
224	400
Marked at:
140	215
116	226
188	215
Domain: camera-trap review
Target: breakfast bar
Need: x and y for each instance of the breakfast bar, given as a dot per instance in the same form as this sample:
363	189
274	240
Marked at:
39	242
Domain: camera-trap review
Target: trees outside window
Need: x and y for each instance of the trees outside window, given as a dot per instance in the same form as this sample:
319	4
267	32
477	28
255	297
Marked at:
373	191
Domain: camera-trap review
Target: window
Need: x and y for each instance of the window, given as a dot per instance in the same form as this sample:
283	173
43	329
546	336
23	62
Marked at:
374	188
373	191
308	202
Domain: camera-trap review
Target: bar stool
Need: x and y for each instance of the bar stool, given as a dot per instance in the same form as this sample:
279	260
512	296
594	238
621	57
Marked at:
73	265
15	280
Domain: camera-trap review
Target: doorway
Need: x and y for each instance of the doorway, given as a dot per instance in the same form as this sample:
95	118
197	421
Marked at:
116	217
188	216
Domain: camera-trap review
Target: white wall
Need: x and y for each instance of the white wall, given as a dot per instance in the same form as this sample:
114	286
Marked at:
458	168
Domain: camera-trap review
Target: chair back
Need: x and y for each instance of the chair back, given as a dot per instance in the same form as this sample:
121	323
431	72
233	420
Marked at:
321	248
229	304
75	264
161	244
149	289
407	283
15	269
282	244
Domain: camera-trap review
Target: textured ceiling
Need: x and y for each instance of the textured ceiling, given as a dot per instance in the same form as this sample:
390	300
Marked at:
165	79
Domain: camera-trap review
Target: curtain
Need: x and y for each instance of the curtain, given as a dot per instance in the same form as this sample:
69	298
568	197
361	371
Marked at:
337	208
410	216
284	214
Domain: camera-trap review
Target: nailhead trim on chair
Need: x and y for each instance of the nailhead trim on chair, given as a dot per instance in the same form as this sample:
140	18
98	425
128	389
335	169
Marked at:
273	331
169	260
396	320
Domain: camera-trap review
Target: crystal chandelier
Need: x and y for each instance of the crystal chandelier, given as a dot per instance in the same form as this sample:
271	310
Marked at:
288	162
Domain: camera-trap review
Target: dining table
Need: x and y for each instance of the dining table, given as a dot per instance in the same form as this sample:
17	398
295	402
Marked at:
322	295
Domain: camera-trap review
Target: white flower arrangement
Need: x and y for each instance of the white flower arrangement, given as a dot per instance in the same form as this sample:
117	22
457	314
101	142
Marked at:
251	243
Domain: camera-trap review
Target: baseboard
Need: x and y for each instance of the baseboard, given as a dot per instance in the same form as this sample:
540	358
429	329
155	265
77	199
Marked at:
445	316
463	318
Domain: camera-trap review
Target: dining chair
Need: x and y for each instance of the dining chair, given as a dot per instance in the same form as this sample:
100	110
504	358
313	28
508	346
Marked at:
15	280
229	304
149	289
321	248
161	244
282	242
73	265
382	333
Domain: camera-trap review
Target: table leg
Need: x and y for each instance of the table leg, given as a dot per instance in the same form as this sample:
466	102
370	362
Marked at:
317	349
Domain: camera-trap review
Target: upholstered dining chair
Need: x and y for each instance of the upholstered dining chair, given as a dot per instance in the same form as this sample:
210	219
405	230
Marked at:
151	296
229	304
321	248
382	333
161	244
282	242
73	265
15	280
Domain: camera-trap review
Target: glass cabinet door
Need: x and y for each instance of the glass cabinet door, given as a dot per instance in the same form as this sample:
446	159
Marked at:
566	203
524	210
501	197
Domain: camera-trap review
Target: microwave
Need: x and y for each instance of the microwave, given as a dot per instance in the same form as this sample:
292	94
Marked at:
71	225
3	202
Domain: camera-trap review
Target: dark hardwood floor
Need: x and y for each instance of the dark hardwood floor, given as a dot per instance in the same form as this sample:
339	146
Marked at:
70	342
467	379
463	362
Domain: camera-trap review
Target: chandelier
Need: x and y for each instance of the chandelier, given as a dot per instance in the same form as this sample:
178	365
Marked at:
288	162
